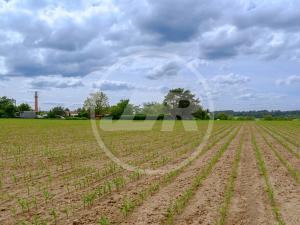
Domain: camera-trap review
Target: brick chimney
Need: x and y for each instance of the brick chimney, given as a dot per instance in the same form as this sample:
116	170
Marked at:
36	102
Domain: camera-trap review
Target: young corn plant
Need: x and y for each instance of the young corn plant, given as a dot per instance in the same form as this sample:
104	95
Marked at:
104	221
14	178
136	175
66	212
169	177
119	182
177	206
24	204
229	189
47	195
263	170
127	206
54	215
34	202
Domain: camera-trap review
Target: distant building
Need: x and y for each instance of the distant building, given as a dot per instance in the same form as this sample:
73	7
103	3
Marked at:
28	115
73	113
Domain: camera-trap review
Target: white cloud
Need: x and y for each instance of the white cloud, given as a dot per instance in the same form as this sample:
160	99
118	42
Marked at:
111	85
3	69
230	79
290	80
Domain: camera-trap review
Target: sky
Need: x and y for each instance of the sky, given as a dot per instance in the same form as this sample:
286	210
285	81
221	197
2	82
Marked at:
233	54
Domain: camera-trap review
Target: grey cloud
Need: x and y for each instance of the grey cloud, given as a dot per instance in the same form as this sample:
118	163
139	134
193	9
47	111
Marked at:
177	20
83	37
48	82
67	32
112	85
69	44
224	42
277	15
3	78
167	70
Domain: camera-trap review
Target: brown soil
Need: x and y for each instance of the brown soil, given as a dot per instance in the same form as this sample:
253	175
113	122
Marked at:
154	210
153	206
250	204
286	191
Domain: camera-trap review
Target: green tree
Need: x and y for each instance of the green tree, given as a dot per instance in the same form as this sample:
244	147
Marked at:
222	116
82	112
153	108
24	107
181	104
98	102
201	114
121	108
57	111
268	117
7	107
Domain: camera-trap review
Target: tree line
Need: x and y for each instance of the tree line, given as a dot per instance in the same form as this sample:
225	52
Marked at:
8	107
178	104
260	114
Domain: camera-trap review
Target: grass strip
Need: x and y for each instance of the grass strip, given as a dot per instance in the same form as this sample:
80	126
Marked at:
229	189
269	189
177	206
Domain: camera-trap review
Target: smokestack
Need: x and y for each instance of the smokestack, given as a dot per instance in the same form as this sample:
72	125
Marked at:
36	102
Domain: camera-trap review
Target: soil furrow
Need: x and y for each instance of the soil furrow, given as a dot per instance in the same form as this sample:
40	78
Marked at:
155	208
204	206
286	191
250	204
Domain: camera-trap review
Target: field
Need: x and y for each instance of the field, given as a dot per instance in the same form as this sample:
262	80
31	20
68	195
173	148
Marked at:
54	172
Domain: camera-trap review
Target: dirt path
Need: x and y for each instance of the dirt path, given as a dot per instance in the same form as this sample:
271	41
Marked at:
286	191
250	204
155	208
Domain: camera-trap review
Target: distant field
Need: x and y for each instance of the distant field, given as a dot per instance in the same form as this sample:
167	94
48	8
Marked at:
54	172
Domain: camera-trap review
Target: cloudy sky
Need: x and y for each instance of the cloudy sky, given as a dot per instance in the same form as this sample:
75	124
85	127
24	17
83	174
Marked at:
242	54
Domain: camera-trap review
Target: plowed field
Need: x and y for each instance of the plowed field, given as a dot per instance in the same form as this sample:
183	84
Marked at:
54	172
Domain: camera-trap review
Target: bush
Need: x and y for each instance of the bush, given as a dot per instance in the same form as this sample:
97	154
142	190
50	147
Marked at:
222	116
245	118
76	118
141	117
268	117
